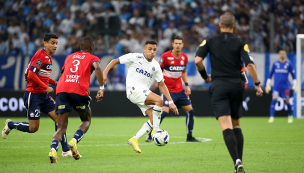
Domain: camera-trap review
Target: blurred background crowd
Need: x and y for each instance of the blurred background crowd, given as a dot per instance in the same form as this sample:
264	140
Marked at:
122	26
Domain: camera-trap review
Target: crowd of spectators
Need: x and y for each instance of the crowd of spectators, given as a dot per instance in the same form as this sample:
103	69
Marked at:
122	26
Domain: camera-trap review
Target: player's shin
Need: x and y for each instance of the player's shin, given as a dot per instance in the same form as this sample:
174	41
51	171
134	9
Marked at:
21	126
63	141
147	126
156	116
272	107
55	145
290	109
190	122
78	135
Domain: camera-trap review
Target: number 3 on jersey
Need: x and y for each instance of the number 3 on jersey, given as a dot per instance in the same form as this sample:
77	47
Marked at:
76	63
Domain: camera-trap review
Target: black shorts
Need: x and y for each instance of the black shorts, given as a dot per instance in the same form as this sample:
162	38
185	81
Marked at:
227	96
65	102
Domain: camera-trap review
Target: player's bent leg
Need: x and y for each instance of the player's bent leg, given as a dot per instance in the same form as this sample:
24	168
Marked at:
272	109
65	149
157	101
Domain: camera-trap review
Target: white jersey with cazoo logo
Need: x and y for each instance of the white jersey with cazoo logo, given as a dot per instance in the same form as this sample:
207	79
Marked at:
141	72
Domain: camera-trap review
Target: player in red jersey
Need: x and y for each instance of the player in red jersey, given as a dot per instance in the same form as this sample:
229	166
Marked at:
37	98
173	64
72	93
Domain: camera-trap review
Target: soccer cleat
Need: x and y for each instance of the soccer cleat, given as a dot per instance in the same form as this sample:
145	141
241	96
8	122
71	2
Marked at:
134	143
271	119
239	168
290	119
192	139
148	138
6	130
53	156
153	131
73	148
67	154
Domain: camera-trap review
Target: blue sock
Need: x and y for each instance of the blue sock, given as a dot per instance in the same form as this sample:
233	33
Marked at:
21	126
63	141
163	115
190	122
78	135
55	145
290	109
272	108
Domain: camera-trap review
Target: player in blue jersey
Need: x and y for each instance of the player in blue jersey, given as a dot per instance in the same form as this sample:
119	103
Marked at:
280	70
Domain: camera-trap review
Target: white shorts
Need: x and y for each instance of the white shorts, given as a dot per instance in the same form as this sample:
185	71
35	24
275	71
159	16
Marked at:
138	96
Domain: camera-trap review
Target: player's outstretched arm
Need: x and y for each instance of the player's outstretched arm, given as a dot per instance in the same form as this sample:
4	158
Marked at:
201	69
185	79
163	89
99	76
108	68
253	74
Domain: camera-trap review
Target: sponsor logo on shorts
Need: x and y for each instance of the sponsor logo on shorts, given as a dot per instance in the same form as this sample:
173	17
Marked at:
32	114
61	106
166	102
80	107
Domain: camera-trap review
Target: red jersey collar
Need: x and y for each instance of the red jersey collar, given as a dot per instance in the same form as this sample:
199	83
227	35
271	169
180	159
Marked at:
175	56
46	53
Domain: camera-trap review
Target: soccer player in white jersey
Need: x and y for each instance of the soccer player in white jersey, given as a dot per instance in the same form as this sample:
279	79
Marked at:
142	70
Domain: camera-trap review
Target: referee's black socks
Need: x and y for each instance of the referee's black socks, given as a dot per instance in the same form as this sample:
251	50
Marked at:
240	141
231	144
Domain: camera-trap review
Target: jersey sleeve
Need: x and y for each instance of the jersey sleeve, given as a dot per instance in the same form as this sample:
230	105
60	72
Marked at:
245	54
159	77
94	59
36	63
203	49
127	59
162	61
292	71
271	71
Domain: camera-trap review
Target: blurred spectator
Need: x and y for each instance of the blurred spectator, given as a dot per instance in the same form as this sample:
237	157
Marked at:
116	80
28	47
12	50
66	26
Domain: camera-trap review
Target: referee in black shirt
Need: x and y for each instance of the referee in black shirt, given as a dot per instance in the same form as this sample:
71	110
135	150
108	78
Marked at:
227	55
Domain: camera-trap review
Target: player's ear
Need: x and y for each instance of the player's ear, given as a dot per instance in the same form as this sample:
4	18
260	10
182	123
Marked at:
234	25
220	25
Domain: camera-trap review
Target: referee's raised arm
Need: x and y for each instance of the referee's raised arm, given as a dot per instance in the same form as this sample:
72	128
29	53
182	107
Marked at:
227	56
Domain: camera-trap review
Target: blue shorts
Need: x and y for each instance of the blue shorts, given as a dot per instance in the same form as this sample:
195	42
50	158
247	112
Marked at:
36	103
284	93
180	99
65	102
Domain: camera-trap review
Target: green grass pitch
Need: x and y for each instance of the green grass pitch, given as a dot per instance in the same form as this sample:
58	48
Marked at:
273	148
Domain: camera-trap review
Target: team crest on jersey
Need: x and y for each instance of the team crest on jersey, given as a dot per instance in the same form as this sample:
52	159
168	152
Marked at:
203	43
46	57
161	60
183	58
38	63
153	68
182	62
246	48
144	91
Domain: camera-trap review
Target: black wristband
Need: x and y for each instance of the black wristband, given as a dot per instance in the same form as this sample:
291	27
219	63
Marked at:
257	84
204	74
186	84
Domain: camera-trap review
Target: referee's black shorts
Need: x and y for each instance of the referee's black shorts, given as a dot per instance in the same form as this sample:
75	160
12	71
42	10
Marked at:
227	96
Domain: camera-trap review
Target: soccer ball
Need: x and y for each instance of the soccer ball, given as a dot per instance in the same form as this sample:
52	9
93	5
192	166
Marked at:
160	137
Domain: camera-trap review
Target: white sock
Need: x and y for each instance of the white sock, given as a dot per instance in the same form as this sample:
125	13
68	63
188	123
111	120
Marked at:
290	116
144	130
156	116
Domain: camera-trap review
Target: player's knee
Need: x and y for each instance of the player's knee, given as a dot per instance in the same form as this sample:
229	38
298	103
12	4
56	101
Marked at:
33	129
159	102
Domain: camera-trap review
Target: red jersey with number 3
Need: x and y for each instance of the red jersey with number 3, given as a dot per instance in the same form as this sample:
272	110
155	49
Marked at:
41	64
77	69
172	69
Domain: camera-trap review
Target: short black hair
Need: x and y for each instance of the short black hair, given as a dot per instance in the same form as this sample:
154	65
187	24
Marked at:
177	38
48	36
150	42
86	43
